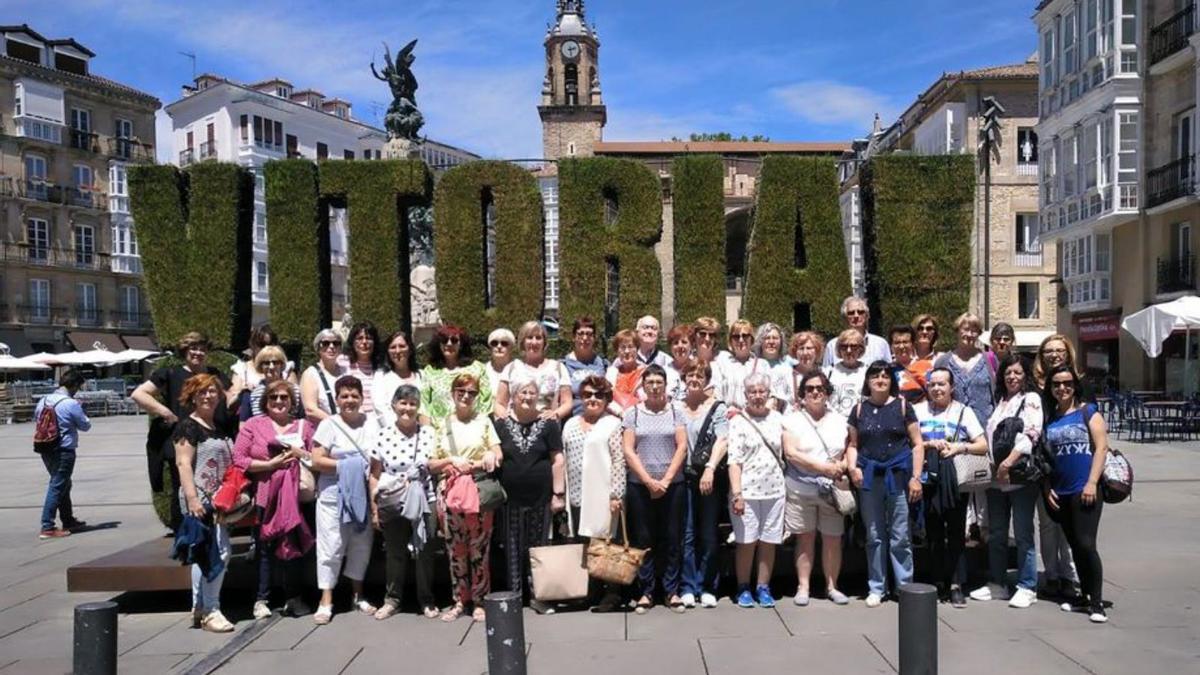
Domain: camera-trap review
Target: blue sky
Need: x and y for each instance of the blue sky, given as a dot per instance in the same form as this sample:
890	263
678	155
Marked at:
796	70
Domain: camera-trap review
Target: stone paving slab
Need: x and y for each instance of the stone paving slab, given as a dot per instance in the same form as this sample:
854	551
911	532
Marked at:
832	654
667	654
725	620
1111	651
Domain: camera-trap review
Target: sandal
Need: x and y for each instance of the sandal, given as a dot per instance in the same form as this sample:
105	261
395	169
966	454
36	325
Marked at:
387	609
432	612
643	605
323	615
479	615
453	613
364	606
676	604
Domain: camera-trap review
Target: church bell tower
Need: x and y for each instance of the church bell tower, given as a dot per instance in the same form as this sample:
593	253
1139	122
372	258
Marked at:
572	111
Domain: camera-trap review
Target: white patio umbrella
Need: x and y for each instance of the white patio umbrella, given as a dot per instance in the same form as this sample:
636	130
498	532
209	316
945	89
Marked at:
14	364
92	357
1153	325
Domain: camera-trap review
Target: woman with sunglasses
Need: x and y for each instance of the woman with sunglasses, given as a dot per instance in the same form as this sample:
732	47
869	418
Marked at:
846	376
625	374
344	533
814	445
450	356
706	332
702	413
948	428
1001	340
737	364
399	369
885	454
364	357
1077	440
805	351
467	442
1060	579
500	352
554	400
925	328
595	469
270	362
533	479
655	445
246	375
269	449
583	361
316	383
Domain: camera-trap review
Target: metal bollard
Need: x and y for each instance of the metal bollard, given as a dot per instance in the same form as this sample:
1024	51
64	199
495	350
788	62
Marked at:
95	650
918	630
505	633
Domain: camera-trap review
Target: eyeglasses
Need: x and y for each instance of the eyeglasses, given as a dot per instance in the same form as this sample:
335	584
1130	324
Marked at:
499	343
326	344
272	363
1059	350
279	397
926	329
585	395
466	393
741	336
452	340
814	389
1062	384
856	312
852	347
585	333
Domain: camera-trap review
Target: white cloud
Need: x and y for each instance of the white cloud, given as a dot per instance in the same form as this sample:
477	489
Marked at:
829	103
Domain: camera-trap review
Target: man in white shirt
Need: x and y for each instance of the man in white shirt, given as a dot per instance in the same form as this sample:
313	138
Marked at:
648	351
856	315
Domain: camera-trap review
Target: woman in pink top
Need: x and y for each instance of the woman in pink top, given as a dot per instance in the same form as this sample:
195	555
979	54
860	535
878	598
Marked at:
273	449
364	355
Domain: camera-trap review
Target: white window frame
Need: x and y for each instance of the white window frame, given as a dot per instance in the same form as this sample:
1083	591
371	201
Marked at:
83	240
39	298
37	238
1023	298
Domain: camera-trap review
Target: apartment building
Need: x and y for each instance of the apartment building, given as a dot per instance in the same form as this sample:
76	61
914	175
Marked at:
70	275
218	119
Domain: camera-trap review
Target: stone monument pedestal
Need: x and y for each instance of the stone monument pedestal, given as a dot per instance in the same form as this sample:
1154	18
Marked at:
401	148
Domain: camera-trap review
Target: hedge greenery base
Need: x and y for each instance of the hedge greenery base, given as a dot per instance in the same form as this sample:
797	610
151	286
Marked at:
194	232
301	294
460	201
796	255
610	217
697	188
917	222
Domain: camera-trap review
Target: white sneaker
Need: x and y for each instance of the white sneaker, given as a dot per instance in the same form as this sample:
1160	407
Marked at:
688	600
1098	616
261	610
801	599
215	622
874	600
1023	598
708	600
982	594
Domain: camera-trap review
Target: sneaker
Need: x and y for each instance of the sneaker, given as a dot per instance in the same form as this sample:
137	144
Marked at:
323	615
74	525
981	594
1022	599
800	599
261	610
765	599
745	598
541	607
54	533
215	622
1073	606
708	600
874	600
957	599
1098	614
688	600
837	597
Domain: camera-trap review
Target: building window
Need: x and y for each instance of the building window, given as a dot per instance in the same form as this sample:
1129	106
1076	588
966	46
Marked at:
37	237
260	227
1181	135
1027	145
260	275
347	154
244	123
39	300
85	245
283	92
82	176
1026	239
322	150
35	168
86	312
118	189
124	128
1027	300
1127	159
130	299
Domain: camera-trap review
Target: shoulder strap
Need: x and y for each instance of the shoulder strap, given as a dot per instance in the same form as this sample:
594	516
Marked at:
328	394
333	420
707	421
774	454
813	425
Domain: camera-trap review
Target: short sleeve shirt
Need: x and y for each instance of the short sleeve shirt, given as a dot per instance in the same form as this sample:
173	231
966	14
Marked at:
580	371
654	442
1070	444
169	382
956	423
550	375
342	443
758	454
719	423
823	439
574	441
528	448
882	429
847	386
468	440
214	454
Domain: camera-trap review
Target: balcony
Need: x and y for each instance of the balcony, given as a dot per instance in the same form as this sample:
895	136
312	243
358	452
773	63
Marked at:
86	197
1027	258
208	150
187	156
33	254
1171	35
1027	168
40	191
1176	274
84	140
130	150
130	319
86	316
42	315
1170	182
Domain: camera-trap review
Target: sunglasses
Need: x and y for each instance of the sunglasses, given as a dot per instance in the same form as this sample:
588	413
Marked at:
326	344
705	333
852	347
856	312
926	329
466	393
741	336
1062	384
452	340
279	397
272	362
585	395
498	343
814	389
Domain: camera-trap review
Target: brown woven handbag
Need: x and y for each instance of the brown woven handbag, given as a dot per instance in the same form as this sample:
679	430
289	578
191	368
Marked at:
614	563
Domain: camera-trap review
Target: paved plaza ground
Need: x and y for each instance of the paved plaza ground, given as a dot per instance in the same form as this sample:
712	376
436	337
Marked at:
1150	547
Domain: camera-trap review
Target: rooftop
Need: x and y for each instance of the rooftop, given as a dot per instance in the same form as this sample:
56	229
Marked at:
89	78
718	147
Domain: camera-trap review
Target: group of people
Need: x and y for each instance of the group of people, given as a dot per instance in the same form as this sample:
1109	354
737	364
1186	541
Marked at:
783	437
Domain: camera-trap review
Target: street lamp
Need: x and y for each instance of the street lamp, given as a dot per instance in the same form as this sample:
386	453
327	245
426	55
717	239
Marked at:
989	147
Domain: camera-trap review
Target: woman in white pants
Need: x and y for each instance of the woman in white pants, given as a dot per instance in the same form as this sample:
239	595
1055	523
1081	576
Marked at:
344	532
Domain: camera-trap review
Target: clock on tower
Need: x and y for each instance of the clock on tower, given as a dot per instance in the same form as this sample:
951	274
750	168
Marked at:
572	110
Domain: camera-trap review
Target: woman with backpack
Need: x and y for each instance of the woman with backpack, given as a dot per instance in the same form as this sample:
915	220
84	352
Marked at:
1077	441
707	431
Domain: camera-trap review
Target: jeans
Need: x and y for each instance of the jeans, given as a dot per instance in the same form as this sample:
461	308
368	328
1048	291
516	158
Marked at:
700	539
60	464
206	595
1056	552
656	524
268	563
397	532
886	520
1020	503
1081	524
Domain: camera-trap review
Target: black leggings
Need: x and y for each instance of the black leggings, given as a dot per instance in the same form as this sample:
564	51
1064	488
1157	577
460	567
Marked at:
947	535
1081	523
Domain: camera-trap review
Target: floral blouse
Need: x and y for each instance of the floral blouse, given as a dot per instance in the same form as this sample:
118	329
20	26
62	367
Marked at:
574	437
436	399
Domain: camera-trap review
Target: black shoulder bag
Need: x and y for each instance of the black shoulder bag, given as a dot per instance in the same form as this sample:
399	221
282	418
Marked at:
702	452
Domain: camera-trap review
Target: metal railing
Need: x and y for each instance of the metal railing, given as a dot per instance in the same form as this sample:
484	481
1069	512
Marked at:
44	315
208	150
129	319
1170	181
75	258
87	316
130	149
45	191
84	140
1172	34
1177	273
187	156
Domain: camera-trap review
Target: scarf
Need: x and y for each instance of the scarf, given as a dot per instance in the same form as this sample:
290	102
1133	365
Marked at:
281	517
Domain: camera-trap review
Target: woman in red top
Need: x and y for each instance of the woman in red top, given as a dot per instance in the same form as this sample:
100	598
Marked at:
625	374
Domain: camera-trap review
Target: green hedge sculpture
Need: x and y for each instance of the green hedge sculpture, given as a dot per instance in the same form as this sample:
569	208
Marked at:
377	195
301	299
194	233
699	206
791	190
917	220
588	243
459	232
